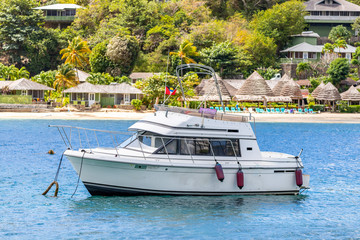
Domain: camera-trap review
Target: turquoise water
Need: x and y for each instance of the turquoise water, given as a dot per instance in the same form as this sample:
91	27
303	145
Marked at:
330	209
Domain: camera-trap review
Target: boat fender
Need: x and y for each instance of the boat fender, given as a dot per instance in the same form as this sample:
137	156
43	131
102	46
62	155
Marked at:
240	178
298	176
219	172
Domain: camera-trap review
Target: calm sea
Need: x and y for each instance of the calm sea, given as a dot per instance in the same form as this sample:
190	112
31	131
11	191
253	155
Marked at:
330	209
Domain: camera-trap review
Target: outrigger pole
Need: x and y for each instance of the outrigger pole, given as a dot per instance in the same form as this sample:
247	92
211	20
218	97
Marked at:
205	70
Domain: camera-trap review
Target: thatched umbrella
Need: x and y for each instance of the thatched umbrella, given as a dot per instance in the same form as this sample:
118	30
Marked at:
317	90
292	89
329	93
255	84
208	91
281	83
351	95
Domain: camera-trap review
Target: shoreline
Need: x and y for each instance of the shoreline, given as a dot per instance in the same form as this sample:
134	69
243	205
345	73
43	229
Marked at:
353	118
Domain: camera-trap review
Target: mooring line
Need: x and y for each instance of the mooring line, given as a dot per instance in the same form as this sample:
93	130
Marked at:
55	179
81	164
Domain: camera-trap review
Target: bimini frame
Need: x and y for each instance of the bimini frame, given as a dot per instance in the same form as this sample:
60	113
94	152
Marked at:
199	69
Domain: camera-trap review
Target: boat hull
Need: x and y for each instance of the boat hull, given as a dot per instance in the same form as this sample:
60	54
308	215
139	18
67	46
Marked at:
110	177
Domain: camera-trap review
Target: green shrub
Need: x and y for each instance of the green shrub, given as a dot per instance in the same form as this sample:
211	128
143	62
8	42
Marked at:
136	103
318	107
344	108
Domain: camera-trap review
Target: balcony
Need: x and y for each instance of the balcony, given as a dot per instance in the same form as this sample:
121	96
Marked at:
59	18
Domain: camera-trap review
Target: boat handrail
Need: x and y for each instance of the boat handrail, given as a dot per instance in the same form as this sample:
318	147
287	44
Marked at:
204	113
84	144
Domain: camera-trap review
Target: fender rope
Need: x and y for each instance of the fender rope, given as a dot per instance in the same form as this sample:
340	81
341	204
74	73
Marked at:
81	164
55	180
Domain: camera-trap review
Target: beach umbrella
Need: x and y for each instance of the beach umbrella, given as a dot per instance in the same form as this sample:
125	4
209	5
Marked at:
329	93
255	84
317	90
292	90
207	90
281	83
351	95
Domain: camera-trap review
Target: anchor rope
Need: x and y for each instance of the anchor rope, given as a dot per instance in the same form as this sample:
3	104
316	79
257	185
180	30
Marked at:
55	179
81	164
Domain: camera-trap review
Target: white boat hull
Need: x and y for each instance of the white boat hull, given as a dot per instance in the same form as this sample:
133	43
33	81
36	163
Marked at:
106	177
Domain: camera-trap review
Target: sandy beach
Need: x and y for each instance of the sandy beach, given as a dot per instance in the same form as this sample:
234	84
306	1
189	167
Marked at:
132	115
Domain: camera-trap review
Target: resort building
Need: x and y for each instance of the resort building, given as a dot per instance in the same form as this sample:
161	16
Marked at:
22	91
87	94
59	15
325	14
304	51
136	76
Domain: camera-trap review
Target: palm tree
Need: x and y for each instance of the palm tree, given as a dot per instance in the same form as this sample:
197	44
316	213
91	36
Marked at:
10	73
22	73
76	53
186	51
65	77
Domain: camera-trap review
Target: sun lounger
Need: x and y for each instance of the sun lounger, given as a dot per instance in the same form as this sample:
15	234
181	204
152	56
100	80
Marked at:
217	108
268	110
227	109
233	109
306	110
211	107
272	110
282	110
277	110
300	110
310	110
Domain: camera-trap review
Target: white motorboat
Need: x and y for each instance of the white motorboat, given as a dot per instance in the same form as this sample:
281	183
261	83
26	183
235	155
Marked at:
180	151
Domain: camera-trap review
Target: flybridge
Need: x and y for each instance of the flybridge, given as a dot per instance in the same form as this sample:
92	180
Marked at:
204	113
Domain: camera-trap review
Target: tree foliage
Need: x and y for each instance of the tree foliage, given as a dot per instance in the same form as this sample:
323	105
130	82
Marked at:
222	57
339	33
100	78
11	73
338	70
76	53
281	21
65	77
122	51
18	21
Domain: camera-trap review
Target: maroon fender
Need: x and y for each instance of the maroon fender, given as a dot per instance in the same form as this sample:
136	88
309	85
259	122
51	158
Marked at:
240	178
298	176
219	172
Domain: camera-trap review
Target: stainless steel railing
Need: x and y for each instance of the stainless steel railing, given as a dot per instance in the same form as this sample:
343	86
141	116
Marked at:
83	138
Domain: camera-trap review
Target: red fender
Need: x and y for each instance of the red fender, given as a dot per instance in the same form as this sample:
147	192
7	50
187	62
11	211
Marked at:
219	172
240	178
298	176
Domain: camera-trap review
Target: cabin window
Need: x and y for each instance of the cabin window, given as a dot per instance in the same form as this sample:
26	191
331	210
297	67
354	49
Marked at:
202	147
220	147
225	147
171	147
145	140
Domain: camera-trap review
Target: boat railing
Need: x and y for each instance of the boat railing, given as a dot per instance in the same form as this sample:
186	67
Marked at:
81	138
101	141
204	113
